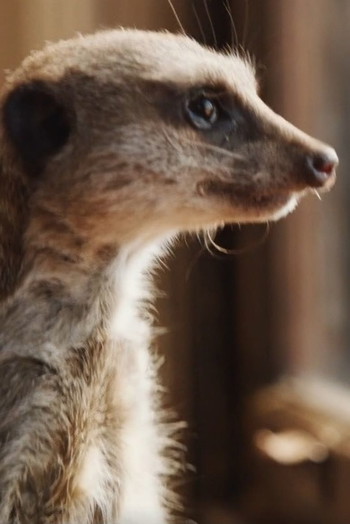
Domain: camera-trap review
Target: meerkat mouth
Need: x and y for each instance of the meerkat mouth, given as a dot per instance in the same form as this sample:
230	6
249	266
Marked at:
267	205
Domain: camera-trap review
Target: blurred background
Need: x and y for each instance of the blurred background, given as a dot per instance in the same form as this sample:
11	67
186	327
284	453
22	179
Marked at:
257	348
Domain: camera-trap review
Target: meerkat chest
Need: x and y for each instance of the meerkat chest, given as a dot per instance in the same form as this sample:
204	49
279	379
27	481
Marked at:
140	443
126	460
122	466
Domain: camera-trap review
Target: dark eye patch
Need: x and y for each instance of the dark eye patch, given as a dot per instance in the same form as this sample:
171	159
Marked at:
216	112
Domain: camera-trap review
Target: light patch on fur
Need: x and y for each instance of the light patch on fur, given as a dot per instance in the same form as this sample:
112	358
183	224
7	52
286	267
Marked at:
141	437
285	210
94	477
133	287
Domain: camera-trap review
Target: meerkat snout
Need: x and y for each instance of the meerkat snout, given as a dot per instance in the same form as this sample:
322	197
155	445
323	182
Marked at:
321	167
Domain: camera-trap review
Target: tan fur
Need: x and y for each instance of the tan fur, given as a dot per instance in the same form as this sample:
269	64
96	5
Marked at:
82	434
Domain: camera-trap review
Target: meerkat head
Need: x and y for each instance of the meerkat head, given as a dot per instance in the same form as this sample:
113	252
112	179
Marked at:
128	132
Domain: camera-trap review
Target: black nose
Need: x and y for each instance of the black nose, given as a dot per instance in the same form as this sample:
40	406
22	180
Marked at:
320	167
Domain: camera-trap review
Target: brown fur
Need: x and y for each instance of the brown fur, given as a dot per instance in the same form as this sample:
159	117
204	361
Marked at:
99	166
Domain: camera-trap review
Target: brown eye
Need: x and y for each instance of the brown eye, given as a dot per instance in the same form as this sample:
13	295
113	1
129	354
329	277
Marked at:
202	111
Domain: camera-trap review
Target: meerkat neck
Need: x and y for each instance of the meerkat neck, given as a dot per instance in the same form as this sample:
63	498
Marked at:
65	299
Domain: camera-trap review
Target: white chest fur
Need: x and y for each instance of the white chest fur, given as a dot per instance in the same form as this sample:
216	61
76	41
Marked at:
141	440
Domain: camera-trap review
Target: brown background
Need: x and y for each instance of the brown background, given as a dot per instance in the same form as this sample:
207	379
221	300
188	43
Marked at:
237	324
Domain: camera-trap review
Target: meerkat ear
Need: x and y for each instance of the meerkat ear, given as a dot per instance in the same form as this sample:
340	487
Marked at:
37	123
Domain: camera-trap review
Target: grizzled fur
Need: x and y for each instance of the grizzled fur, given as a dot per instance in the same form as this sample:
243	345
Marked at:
107	154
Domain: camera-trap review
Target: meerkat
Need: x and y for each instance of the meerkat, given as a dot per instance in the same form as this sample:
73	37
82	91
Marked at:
112	145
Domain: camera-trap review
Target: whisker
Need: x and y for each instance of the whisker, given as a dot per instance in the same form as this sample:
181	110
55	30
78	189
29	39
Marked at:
194	260
200	25
208	240
211	147
177	18
315	192
217	171
205	2
171	141
234	35
246	18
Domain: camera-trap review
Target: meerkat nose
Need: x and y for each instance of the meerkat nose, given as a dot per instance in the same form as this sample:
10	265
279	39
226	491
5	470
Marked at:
321	166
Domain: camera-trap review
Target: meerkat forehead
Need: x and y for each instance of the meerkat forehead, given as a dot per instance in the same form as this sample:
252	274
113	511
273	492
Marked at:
149	55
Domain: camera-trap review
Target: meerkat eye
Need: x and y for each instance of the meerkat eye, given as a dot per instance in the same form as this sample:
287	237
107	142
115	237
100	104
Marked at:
202	111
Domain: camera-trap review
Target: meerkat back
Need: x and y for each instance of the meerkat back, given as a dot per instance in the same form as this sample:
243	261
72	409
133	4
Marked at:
111	145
